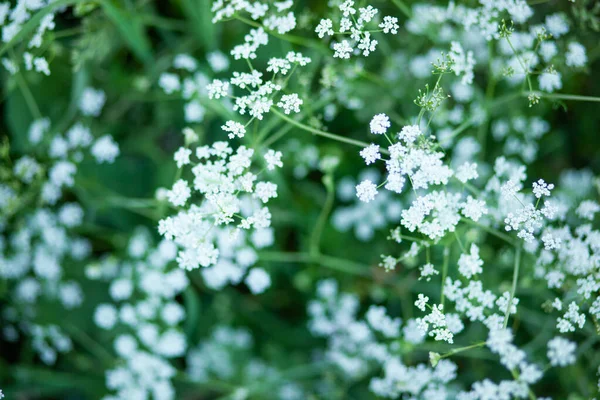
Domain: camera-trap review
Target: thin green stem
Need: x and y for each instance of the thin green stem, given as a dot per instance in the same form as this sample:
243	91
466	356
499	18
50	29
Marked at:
514	284
461	349
462	248
338	264
322	220
319	132
560	96
29	99
444	272
491	231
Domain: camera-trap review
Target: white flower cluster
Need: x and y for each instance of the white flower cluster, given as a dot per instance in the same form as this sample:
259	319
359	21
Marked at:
353	24
13	21
38	245
357	346
275	17
144	316
212	233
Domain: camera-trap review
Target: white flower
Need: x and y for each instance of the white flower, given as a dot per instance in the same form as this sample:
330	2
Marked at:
549	82
474	209
409	133
370	154
342	49
510	188
576	55
235	129
325	27
467	172
258	280
587	209
470	264
464	62
105	316
169	83
265	191
561	351
217	61
182	157
194	112
105	149
427	271
379	124
290	103
91	101
217	89
389	25
186	62
421	301
366	191
557	25
541	188
179	194
273	159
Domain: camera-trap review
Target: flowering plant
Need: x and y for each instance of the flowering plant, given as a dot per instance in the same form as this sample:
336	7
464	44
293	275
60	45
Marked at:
277	199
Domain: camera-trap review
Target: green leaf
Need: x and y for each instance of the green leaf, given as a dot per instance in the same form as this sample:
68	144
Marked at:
192	309
132	31
200	16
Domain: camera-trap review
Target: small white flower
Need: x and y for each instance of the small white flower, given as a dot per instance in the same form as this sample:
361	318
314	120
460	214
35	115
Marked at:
258	280
217	89
379	124
234	128
169	83
389	25
342	49
182	157
273	159
410	133
421	301
290	103
91	101
366	191
370	154
179	194
325	27
541	188
105	149
105	316
561	351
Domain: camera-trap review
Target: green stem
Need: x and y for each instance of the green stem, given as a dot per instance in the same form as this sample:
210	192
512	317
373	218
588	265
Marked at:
514	284
491	231
325	211
560	96
319	132
338	264
29	99
444	272
461	349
